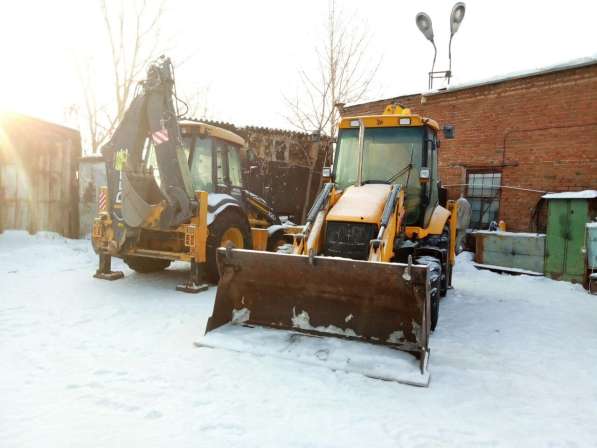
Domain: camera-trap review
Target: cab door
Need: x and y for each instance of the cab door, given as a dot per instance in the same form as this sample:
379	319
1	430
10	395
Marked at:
201	164
220	168
228	168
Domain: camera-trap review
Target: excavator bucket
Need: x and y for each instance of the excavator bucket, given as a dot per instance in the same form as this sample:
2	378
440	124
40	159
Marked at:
377	314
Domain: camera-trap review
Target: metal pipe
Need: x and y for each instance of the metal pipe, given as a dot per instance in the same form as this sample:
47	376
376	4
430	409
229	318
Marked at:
319	202
390	205
360	149
501	186
449	74
432	66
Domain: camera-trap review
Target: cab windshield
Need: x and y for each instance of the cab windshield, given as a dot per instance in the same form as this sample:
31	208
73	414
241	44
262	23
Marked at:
212	162
151	161
390	155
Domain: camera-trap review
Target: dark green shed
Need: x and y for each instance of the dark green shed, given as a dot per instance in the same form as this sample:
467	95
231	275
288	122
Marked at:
565	251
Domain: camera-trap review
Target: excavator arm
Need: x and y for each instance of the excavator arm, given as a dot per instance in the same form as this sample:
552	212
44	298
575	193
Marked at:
150	120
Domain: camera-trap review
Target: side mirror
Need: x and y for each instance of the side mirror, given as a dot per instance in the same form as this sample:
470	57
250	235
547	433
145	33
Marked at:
448	131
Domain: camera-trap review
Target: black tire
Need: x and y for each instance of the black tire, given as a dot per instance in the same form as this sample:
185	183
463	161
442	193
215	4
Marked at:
226	220
276	240
435	277
146	265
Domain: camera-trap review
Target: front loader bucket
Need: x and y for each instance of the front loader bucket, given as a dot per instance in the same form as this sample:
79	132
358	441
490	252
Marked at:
386	304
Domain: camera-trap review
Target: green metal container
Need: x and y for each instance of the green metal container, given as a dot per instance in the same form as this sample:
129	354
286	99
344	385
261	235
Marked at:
565	252
592	246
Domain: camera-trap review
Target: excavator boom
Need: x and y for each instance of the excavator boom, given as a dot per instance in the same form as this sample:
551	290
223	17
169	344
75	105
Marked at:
151	119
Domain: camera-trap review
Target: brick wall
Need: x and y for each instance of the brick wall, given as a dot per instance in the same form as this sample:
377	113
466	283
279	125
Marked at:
539	131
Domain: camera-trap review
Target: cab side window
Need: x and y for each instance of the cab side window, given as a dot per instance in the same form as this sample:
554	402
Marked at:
234	166
202	166
220	163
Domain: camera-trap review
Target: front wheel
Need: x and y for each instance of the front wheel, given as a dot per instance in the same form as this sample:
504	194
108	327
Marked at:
435	277
227	228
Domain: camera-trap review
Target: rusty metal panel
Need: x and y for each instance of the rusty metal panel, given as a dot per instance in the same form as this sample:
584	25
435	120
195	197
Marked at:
290	168
287	188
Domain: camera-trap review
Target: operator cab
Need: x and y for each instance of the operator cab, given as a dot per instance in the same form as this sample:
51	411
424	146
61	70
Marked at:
214	158
397	147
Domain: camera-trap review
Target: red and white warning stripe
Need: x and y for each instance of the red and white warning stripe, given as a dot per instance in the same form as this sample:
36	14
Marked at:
102	200
160	136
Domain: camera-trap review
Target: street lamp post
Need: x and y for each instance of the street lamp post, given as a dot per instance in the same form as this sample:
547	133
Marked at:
424	24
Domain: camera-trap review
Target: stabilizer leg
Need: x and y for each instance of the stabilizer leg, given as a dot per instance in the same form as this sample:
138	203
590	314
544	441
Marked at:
105	271
196	282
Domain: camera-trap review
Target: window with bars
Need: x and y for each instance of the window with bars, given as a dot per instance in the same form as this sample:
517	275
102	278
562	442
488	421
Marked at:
483	193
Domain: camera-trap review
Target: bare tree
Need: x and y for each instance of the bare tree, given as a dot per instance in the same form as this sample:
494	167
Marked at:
196	101
344	75
133	31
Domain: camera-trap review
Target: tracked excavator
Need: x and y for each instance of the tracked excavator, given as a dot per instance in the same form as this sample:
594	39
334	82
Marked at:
175	190
359	287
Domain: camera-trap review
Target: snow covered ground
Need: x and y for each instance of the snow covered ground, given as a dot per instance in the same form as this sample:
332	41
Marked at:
85	362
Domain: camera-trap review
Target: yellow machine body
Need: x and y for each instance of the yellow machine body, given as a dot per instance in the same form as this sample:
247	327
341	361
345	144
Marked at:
361	267
144	245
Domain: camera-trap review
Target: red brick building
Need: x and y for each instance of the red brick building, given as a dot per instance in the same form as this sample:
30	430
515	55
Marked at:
515	138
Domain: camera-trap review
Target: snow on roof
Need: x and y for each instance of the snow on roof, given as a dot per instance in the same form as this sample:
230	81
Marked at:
508	234
585	194
567	65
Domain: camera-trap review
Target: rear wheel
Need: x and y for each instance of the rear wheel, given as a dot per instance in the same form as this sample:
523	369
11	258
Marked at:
146	265
435	277
228	228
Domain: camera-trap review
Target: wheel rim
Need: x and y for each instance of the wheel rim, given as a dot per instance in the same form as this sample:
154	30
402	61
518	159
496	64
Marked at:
234	236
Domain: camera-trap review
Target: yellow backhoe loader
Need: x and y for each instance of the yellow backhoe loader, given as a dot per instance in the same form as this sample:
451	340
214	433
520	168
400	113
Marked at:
175	190
369	265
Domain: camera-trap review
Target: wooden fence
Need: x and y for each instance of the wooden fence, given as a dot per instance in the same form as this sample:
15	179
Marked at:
38	176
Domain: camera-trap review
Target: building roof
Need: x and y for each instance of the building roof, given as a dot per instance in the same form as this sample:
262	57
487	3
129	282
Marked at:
563	66
15	118
243	130
585	194
216	131
539	71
